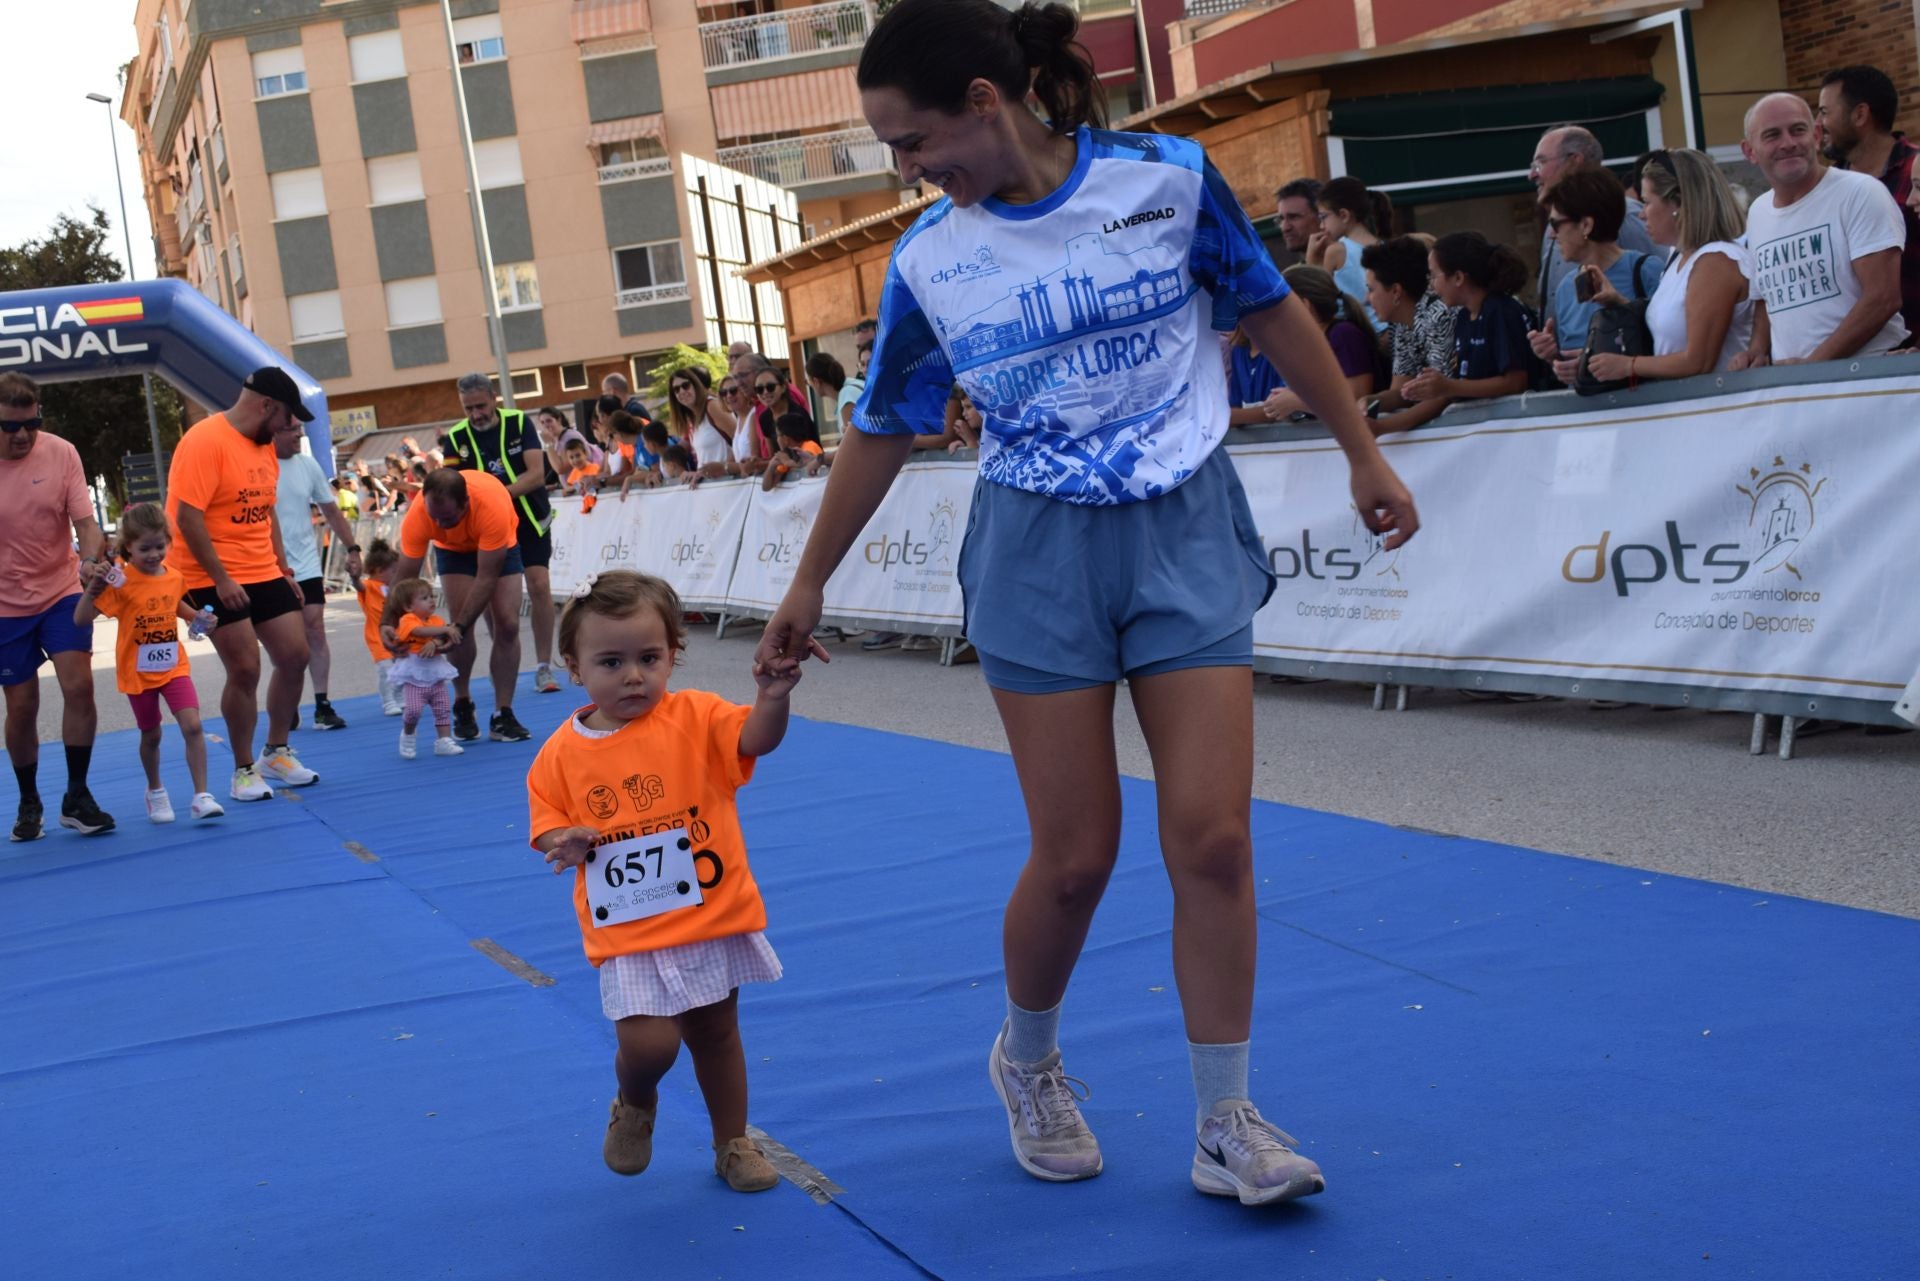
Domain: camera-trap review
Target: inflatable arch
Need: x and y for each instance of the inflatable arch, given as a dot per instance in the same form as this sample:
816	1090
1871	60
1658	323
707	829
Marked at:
164	327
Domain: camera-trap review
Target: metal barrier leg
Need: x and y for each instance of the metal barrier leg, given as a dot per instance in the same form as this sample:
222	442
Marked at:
947	646
1379	697
1757	745
1786	737
720	625
1400	700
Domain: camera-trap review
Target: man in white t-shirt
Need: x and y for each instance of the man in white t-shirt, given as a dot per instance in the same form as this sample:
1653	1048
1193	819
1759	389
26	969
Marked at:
1826	247
302	487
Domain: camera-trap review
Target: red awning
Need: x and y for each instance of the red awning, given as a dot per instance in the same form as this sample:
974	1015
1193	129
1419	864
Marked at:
625	130
806	100
1113	45
600	19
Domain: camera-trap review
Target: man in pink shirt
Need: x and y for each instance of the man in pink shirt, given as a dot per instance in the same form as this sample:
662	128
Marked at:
44	507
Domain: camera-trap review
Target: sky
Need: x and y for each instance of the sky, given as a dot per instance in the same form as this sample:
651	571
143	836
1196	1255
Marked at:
55	156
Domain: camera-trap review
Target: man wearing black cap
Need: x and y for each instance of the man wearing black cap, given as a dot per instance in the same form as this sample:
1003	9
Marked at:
220	497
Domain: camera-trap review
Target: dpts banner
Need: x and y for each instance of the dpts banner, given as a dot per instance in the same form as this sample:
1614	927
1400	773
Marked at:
1743	541
687	536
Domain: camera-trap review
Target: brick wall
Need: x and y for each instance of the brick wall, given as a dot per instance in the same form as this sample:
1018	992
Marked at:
1821	35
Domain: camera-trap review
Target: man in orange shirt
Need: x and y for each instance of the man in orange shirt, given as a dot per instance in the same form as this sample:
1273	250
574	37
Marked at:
44	507
220	497
468	519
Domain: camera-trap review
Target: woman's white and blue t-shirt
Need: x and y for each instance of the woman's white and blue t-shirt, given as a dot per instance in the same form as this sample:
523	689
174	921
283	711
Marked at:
1080	325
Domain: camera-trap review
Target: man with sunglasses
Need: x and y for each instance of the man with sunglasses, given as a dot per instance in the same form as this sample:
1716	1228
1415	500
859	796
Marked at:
43	493
1558	153
221	489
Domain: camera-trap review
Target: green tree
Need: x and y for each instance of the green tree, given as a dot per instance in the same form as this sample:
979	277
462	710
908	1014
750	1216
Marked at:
103	417
679	357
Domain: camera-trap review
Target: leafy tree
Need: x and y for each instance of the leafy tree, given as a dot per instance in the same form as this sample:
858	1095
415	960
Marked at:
103	417
679	357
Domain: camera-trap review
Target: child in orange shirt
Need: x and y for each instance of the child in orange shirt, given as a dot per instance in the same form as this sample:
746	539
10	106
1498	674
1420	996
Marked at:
583	476
149	662
637	792
417	635
381	562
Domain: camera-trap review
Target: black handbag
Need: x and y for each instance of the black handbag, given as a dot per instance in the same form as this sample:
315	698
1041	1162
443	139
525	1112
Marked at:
1621	330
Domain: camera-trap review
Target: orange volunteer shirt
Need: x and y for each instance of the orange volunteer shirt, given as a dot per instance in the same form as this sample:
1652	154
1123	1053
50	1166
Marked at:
678	765
42	495
148	652
233	481
409	624
373	603
489	525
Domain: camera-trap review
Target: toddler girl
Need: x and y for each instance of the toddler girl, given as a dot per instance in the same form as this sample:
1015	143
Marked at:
150	664
381	563
416	635
637	792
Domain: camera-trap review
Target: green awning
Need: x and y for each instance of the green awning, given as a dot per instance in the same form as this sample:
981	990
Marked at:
1450	144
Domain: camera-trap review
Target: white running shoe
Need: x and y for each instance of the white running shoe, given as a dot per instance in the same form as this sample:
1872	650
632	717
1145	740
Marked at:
281	766
1050	1140
204	806
249	786
445	746
159	806
406	746
391	706
1240	1153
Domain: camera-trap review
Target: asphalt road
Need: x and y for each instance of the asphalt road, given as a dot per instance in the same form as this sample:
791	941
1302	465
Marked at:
1671	791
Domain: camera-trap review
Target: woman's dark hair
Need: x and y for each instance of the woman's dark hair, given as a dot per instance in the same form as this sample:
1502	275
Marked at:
1400	261
1351	197
823	366
931	50
1591	193
684	419
1495	268
1317	289
798	427
607	405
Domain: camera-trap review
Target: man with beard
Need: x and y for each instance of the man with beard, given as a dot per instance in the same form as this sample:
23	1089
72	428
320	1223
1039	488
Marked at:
1858	106
1298	212
220	498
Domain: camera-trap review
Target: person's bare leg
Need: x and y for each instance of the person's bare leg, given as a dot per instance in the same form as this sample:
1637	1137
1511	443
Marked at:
195	739
319	657
712	1036
23	723
238	647
503	626
285	640
540	613
456	587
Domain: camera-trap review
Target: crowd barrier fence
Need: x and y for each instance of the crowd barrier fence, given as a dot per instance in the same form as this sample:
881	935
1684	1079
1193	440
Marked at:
1728	542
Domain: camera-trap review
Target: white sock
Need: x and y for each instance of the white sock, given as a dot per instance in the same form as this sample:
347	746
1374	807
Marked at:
1219	1073
1031	1034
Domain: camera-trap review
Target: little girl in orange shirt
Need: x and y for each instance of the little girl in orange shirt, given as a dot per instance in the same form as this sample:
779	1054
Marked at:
416	635
636	791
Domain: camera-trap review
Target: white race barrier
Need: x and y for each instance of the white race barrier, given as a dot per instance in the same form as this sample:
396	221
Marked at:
1729	549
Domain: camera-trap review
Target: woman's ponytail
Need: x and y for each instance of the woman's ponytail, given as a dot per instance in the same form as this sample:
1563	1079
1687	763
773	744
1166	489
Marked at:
1063	80
931	50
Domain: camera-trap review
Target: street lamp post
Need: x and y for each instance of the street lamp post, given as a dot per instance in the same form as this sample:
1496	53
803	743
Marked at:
146	380
482	245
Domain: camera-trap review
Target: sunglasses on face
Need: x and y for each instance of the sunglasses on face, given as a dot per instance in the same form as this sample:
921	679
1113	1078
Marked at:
728	389
680	387
766	389
22	424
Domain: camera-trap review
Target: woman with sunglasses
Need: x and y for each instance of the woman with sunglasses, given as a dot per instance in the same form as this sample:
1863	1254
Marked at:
1585	211
700	419
1109	536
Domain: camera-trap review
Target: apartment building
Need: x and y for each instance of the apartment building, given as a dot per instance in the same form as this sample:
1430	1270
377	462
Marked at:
303	167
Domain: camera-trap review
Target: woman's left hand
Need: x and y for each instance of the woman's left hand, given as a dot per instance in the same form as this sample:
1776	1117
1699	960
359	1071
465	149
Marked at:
1610	366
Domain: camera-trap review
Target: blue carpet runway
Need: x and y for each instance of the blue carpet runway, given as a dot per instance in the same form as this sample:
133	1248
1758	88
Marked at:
270	1046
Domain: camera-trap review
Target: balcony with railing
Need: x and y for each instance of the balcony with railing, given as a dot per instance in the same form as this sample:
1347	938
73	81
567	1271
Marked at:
821	157
785	33
651	294
1214	8
652	167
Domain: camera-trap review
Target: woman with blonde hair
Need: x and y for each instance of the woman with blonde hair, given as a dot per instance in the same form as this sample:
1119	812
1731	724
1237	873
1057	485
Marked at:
1701	315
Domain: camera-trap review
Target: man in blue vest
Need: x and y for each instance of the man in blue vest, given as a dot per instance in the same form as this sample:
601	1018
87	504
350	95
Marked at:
504	444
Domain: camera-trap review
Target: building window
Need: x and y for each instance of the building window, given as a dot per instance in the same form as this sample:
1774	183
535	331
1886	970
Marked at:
645	273
377	56
516	285
573	377
391	180
279	71
316	316
297	193
526	383
626	153
413	302
479	39
498	162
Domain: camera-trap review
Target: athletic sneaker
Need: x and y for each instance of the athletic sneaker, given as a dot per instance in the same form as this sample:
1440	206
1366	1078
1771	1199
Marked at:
465	727
282	766
543	681
1240	1153
918	644
882	640
1050	1141
247	785
27	824
407	751
324	717
445	746
391	708
743	1165
159	806
628	1147
204	806
503	728
77	811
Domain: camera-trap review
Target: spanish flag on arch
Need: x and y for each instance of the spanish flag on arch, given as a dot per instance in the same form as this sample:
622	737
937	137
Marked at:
111	311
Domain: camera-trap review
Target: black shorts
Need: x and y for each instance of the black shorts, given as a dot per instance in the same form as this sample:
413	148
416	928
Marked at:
468	563
536	549
265	602
313	591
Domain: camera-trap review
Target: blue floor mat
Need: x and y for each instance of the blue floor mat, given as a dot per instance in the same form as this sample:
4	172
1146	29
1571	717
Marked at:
269	1045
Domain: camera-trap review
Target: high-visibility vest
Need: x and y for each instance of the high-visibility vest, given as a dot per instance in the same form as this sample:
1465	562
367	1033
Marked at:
506	457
